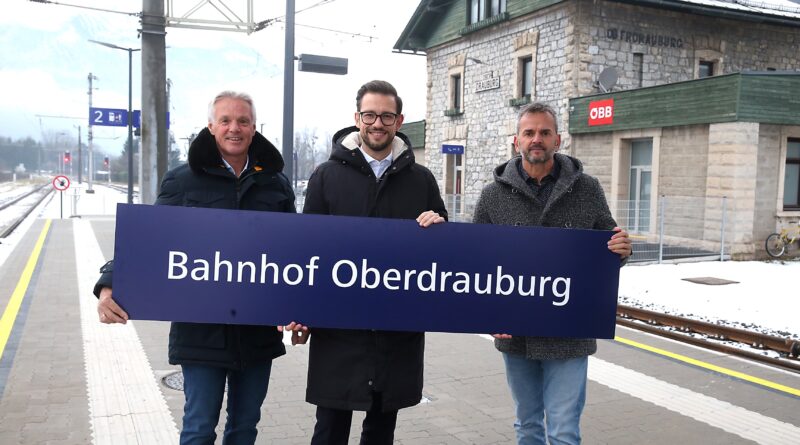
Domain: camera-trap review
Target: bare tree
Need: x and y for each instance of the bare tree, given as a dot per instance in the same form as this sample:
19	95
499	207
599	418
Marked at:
307	152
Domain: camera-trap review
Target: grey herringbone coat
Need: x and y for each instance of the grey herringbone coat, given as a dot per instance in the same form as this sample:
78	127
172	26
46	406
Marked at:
576	201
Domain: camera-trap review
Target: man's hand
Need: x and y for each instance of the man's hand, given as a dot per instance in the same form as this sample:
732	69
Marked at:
108	310
502	336
300	333
425	219
620	243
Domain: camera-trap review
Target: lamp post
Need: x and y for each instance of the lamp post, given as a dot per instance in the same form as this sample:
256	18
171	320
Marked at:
130	112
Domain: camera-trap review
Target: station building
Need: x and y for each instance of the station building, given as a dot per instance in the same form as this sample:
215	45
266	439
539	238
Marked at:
694	103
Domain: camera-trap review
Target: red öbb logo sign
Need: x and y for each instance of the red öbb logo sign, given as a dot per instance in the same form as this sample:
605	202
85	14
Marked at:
601	112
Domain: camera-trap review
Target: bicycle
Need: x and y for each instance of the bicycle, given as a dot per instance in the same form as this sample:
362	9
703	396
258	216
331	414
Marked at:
778	243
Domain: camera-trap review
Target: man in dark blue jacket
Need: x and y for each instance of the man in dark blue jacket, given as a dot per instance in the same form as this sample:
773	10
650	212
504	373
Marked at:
230	166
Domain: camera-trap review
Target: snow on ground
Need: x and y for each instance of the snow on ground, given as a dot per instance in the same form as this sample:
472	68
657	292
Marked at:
765	297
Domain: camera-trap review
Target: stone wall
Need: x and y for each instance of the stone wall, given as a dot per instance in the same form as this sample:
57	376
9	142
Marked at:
683	161
594	151
732	172
769	160
486	127
670	42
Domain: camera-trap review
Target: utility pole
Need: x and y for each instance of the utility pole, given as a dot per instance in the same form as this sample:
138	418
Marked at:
91	158
288	93
153	144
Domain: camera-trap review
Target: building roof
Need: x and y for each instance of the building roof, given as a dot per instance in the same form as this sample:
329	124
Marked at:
749	96
431	15
415	132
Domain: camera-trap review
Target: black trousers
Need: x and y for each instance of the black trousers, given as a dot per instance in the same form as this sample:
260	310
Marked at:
333	425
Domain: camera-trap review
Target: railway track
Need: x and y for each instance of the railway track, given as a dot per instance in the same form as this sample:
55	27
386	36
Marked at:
120	188
17	199
8	229
656	322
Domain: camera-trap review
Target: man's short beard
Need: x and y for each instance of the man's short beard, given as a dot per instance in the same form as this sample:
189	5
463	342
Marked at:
366	141
378	147
532	160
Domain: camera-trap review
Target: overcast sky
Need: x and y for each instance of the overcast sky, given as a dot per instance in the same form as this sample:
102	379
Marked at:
45	59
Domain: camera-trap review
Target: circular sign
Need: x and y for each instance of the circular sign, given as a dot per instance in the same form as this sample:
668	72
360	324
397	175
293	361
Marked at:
61	183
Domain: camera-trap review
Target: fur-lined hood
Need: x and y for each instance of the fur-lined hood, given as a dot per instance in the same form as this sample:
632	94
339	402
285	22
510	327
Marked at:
204	154
348	140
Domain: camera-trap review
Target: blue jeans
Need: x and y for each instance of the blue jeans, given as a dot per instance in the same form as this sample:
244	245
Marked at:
204	388
547	391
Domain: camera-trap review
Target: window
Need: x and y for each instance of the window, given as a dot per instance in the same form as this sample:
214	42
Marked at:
639	185
705	69
638	65
455	92
454	183
526	67
484	9
791	178
524	63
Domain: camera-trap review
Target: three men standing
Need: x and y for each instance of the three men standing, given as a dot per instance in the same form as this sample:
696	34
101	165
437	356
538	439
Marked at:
547	376
371	173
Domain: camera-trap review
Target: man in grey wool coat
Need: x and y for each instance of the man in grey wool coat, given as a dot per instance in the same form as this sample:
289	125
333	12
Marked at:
547	376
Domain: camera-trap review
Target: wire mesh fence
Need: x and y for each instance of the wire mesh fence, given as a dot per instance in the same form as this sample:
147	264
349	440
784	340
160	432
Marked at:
675	227
669	229
691	227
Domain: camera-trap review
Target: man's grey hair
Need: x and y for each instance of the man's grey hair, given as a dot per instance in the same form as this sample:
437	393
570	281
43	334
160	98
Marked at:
231	95
537	107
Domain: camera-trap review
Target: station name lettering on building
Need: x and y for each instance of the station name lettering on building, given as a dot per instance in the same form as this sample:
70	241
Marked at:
487	82
641	38
346	273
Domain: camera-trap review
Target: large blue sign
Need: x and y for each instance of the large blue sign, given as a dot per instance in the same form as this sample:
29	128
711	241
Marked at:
109	117
228	266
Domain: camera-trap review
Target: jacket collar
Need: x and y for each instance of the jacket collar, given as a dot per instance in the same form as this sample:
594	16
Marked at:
571	169
204	154
347	140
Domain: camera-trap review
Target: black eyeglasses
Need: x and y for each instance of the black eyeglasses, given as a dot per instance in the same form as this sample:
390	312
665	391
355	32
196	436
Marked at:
369	118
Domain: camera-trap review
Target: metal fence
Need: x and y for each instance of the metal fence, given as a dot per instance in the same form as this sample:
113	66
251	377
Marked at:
692	227
676	227
671	229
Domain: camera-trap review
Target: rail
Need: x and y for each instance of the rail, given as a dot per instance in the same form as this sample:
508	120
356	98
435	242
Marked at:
13	226
13	201
631	316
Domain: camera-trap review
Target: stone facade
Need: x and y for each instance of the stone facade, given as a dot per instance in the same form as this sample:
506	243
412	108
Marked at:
571	43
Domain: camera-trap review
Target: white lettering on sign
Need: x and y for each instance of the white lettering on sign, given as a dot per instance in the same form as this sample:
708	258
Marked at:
601	112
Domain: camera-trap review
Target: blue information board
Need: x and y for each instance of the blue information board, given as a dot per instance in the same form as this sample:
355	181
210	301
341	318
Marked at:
246	267
115	117
452	149
109	117
137	119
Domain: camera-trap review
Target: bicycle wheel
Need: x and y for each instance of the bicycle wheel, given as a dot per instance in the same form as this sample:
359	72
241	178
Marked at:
775	245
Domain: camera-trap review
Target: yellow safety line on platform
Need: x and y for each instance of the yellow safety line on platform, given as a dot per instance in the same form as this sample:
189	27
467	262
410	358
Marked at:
10	314
709	366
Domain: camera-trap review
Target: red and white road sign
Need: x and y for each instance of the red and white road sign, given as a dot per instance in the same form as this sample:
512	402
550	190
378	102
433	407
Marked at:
61	183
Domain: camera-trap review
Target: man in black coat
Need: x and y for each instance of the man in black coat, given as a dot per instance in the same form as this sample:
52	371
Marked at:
230	167
372	173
